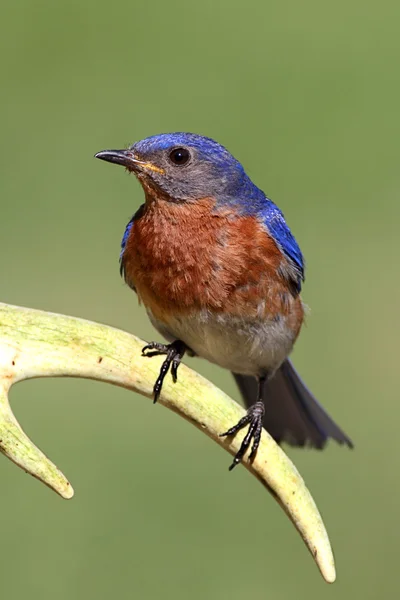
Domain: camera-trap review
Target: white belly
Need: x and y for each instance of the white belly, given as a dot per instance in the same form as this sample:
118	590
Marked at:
246	347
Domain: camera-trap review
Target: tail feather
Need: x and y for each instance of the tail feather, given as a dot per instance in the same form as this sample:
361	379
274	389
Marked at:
292	414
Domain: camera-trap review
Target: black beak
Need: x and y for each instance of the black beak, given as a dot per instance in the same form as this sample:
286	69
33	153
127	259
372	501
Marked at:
120	157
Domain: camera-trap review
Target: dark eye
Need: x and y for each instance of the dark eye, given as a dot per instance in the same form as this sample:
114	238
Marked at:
179	156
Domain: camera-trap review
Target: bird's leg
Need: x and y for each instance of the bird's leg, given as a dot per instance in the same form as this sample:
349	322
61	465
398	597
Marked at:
174	352
254	419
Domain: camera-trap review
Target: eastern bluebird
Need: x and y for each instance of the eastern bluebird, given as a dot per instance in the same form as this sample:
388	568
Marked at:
220	273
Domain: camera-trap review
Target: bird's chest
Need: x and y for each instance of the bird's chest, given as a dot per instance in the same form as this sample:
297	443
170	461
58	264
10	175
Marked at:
168	257
187	259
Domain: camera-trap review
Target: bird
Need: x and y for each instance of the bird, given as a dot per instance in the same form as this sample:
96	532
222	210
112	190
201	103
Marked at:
220	274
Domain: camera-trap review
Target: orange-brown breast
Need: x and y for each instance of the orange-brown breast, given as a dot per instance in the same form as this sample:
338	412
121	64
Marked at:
182	257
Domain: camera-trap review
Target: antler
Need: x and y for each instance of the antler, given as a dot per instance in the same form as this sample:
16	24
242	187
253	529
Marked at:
40	344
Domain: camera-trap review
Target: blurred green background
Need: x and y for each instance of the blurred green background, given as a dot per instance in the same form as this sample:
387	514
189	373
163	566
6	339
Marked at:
307	96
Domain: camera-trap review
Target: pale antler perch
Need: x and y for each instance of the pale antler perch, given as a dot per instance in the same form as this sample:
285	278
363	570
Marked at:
40	344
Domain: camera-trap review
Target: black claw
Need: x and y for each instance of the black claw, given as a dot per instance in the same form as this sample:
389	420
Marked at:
157	347
256	439
235	462
243	421
174	369
174	352
254	419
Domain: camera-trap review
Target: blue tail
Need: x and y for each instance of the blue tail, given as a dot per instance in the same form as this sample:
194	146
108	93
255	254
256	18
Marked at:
292	414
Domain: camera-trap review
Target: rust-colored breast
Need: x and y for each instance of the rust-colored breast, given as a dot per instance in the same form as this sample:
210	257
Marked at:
182	257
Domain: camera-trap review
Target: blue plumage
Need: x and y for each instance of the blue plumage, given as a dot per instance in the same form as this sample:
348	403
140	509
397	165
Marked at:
275	222
126	235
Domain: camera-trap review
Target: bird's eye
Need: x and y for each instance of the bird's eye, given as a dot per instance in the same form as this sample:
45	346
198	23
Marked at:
179	156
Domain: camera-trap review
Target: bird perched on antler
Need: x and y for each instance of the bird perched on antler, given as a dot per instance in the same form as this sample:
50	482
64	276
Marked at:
220	274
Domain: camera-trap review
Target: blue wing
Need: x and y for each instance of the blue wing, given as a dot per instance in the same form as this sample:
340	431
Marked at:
127	231
253	201
275	223
123	244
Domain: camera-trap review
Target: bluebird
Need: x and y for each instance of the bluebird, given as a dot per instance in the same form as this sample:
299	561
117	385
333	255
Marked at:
220	274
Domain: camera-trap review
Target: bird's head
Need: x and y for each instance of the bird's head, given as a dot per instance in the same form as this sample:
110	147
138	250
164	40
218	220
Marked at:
184	167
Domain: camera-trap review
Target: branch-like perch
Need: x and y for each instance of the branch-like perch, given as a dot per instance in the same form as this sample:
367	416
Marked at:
40	344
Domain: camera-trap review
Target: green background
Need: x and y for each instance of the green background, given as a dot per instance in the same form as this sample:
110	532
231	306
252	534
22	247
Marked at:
307	96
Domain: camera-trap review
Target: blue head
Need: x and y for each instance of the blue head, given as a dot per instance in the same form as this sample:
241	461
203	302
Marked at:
186	167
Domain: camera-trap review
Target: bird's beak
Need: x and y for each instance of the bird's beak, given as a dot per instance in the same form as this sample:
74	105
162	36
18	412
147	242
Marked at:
127	159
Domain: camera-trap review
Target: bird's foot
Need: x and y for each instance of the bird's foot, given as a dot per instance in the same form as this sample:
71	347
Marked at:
254	419
174	352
